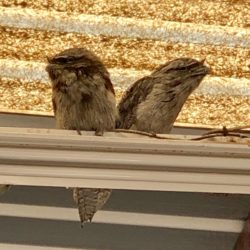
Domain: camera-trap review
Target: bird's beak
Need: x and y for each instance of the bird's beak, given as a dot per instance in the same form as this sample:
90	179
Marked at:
203	60
49	59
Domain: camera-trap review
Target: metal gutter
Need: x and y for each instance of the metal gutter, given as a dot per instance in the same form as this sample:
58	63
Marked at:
44	157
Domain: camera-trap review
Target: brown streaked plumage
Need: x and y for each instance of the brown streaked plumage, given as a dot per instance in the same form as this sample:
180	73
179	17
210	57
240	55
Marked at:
83	98
153	103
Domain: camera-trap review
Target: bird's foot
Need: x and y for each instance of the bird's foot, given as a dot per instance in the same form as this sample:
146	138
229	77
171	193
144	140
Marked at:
79	132
99	132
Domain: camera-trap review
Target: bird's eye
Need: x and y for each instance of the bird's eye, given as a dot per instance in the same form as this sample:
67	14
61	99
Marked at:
182	68
63	59
190	65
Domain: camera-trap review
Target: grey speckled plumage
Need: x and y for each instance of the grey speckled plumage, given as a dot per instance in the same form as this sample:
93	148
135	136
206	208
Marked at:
83	99
153	103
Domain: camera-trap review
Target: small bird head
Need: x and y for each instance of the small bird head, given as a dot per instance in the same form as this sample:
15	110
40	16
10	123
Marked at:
75	60
187	72
183	64
74	56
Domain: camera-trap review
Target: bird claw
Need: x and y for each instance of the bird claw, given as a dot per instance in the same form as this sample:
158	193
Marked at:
99	132
153	134
79	132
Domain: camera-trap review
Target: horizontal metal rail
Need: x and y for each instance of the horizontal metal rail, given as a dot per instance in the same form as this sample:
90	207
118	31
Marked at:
39	119
124	218
122	161
125	27
7	246
122	78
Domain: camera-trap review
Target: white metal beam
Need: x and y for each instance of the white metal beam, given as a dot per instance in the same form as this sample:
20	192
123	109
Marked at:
125	27
122	78
121	161
6	246
124	218
39	119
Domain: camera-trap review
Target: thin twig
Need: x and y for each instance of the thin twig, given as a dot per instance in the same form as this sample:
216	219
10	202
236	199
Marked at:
206	136
213	133
138	132
225	129
224	132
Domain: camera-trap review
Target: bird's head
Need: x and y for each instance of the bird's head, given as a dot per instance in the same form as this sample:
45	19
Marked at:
74	60
183	73
76	65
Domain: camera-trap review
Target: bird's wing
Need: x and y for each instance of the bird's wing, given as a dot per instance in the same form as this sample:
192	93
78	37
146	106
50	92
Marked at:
133	96
108	84
152	103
